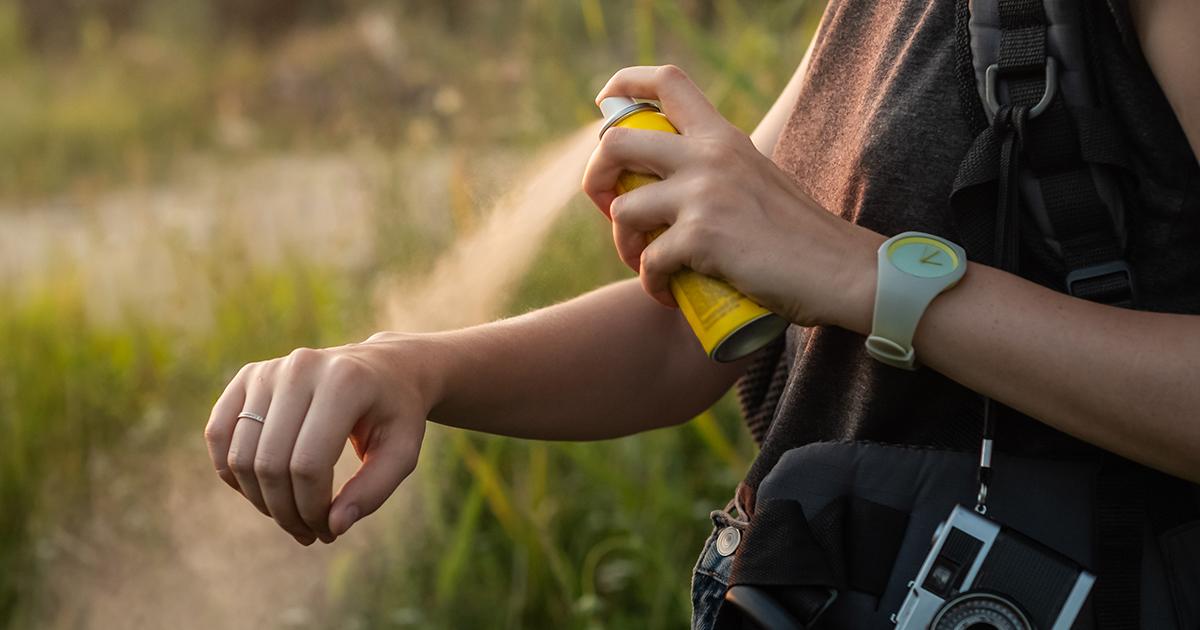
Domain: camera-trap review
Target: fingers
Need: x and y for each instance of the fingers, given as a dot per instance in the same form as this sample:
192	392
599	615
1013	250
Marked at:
241	461
337	406
683	103
218	433
246	435
681	246
637	215
637	150
273	460
387	460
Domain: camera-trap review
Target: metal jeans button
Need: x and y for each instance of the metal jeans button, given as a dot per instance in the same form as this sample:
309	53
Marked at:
728	540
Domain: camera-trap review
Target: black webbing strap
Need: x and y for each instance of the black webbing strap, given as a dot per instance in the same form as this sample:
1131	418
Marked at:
793	567
1120	517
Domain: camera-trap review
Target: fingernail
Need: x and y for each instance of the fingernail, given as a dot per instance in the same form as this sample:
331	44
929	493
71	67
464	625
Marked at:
327	538
351	515
304	540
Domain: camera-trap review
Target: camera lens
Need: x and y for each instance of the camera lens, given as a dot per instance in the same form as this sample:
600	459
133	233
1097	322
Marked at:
980	611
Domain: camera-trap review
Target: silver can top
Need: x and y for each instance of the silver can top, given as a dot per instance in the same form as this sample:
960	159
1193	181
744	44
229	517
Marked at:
617	108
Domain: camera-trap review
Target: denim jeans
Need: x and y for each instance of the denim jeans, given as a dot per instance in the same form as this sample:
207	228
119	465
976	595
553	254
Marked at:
710	579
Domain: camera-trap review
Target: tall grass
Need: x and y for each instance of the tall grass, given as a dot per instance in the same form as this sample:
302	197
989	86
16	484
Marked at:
506	533
76	394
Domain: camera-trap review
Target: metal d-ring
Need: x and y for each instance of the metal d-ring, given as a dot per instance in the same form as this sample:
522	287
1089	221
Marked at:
993	104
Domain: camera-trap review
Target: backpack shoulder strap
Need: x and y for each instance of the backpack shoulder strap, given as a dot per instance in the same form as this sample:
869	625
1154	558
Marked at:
1029	59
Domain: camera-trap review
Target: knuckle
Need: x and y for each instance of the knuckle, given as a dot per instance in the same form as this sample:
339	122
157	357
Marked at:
591	188
670	72
648	261
216	434
345	370
246	373
269	468
239	463
303	358
617	209
379	336
305	468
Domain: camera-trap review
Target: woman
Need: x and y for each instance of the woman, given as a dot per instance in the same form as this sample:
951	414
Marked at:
866	141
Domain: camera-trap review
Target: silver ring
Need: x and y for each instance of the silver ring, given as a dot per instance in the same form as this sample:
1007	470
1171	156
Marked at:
250	415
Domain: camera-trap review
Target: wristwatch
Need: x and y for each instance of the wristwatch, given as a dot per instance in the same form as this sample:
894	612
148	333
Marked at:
914	268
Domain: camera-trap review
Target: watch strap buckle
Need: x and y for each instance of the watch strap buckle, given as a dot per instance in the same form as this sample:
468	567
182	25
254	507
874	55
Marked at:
892	353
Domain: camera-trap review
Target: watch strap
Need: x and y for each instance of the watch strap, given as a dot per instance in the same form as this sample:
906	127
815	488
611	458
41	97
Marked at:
898	310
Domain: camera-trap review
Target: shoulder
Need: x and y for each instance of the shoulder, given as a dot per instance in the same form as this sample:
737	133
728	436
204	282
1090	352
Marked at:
1169	34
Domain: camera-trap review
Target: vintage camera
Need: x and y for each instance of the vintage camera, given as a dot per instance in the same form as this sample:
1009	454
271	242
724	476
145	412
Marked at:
982	575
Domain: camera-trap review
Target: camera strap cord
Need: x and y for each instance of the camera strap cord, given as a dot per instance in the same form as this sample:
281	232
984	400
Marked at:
1009	123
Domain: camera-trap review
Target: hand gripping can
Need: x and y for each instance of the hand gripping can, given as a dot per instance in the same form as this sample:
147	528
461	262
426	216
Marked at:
728	324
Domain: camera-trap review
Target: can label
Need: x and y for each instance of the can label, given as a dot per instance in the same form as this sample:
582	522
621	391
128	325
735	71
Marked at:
718	314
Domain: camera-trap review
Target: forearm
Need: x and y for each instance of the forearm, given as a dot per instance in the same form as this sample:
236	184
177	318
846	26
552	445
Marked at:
1121	379
609	363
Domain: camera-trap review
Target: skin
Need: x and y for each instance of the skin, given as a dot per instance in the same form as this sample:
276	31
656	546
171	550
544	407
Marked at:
1116	378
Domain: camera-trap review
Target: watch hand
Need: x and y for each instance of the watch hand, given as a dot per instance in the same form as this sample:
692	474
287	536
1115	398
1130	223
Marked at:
927	258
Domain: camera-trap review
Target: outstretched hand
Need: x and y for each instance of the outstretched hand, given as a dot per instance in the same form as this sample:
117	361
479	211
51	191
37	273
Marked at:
311	402
730	212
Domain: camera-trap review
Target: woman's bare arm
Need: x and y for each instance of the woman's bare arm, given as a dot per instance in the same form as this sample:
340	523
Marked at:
608	363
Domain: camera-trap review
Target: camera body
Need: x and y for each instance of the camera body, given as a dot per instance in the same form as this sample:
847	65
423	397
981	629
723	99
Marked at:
979	572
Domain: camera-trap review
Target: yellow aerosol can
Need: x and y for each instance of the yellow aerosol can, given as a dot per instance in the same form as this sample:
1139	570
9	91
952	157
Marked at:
728	324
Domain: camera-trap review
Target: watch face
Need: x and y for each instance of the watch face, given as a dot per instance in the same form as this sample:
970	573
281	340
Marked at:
923	257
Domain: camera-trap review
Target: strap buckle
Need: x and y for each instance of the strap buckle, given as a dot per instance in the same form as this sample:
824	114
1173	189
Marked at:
1115	267
992	103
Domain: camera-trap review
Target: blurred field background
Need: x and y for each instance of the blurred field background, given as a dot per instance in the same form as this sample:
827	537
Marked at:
190	185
